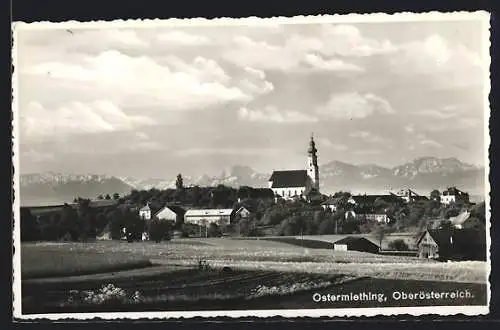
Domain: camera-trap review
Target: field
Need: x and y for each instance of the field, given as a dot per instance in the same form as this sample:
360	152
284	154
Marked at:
54	260
187	273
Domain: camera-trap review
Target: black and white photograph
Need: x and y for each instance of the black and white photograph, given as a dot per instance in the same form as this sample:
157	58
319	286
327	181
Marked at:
289	166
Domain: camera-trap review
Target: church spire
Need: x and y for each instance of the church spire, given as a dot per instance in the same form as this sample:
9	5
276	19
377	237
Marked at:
312	146
312	164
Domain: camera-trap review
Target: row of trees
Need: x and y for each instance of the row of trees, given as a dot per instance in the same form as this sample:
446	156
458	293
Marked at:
296	217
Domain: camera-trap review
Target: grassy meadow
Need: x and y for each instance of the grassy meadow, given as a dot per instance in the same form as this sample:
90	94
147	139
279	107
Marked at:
40	260
65	259
237	274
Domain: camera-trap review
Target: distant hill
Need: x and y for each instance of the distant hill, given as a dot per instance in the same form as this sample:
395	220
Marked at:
54	188
422	174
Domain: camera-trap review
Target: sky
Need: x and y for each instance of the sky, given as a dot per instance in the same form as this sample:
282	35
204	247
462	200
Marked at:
156	101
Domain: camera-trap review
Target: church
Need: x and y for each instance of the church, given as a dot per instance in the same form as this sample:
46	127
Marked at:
297	183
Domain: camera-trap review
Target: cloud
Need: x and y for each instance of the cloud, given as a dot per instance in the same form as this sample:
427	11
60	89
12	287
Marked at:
36	156
450	65
354	105
347	40
433	113
142	136
367	136
225	151
318	62
299	51
59	42
325	142
410	128
367	152
431	143
174	85
272	114
77	118
462	123
181	38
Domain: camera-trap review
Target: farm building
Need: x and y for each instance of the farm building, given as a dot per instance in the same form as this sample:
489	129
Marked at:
361	244
452	244
170	213
39	212
207	216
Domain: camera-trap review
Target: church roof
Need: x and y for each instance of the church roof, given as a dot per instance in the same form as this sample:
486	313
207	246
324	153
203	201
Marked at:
289	179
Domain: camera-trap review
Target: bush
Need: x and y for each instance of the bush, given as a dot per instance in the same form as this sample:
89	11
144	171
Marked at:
214	230
398	245
159	230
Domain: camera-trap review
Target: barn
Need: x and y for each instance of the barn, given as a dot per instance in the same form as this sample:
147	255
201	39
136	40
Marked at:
352	243
452	244
207	216
172	213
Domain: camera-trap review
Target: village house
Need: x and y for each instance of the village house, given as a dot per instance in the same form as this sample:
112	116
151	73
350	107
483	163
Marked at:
409	196
367	217
291	184
243	212
221	217
454	195
369	200
145	212
452	244
379	218
333	203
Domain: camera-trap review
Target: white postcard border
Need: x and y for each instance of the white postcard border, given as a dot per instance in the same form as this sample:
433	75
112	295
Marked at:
315	313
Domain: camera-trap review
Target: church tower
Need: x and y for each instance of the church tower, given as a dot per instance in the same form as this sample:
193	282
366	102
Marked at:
312	164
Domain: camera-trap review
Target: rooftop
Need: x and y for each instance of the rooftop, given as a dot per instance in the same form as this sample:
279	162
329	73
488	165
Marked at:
289	179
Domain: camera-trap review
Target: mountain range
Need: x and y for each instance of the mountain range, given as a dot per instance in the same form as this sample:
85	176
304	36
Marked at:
422	175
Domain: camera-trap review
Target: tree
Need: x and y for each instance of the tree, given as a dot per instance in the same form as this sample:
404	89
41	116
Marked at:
446	225
68	222
30	230
100	197
85	222
436	195
179	182
116	196
159	230
108	197
214	230
114	218
326	227
398	245
134	225
381	232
